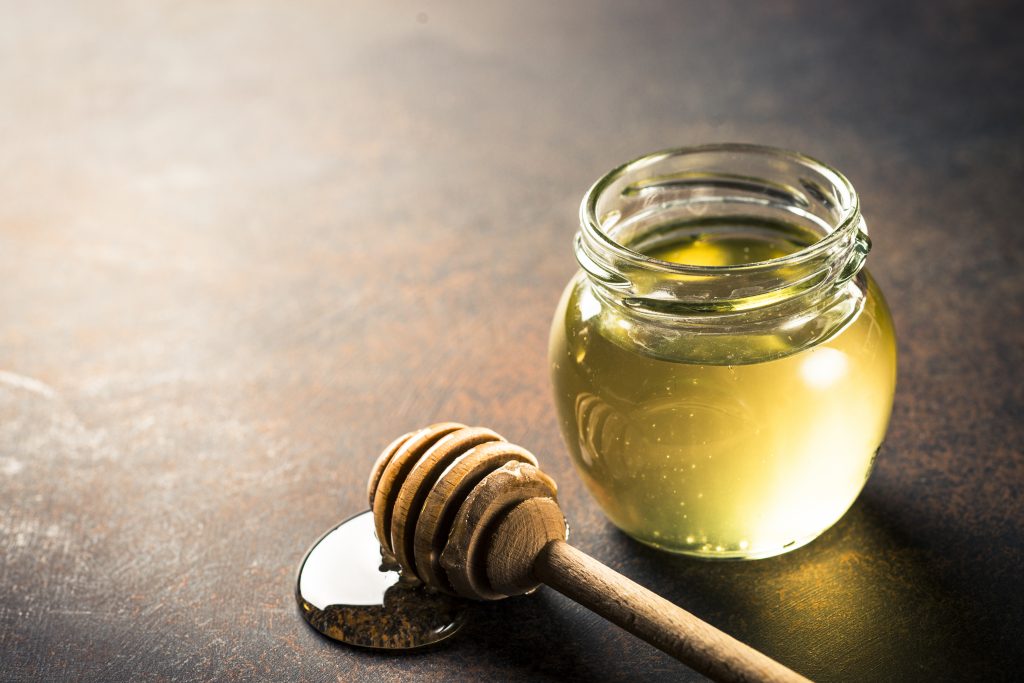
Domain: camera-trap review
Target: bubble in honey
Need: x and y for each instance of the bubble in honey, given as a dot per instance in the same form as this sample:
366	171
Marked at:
348	592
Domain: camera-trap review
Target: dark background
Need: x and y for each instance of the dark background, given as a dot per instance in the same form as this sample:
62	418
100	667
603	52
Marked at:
245	244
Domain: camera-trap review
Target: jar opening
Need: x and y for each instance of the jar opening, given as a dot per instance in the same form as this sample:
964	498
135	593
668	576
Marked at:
697	185
668	197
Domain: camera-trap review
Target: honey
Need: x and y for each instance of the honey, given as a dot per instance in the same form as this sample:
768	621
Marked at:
713	457
723	367
352	592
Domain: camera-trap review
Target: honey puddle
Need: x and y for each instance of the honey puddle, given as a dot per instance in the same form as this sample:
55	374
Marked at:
347	592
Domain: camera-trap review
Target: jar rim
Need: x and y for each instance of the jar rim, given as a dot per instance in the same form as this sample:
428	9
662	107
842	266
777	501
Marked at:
846	223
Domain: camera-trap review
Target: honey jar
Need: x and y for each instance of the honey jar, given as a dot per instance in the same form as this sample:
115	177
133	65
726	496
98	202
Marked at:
723	364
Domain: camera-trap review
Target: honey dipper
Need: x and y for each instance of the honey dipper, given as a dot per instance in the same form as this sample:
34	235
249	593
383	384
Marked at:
470	514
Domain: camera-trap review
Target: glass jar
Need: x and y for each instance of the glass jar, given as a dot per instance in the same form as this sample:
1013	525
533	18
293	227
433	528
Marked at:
723	366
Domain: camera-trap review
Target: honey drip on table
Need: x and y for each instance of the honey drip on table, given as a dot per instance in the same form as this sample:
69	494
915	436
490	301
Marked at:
350	592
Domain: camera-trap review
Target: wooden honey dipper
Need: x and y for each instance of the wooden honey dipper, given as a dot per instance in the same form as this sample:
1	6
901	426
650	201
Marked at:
470	514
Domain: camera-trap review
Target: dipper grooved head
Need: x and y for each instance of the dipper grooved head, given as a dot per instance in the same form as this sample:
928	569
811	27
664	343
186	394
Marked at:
450	503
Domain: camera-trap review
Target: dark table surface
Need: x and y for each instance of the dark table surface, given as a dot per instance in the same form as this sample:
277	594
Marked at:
244	244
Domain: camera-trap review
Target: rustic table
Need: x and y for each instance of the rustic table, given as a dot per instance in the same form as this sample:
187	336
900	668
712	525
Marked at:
244	244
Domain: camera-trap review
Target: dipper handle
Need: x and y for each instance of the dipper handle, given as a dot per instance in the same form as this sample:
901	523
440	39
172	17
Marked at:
654	619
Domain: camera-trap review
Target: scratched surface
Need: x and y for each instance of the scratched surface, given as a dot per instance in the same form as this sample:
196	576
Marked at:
244	244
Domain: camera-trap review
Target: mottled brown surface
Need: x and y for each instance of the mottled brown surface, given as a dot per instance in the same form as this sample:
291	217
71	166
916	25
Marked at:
244	244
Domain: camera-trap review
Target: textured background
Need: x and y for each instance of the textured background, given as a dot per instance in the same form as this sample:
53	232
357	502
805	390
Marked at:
243	244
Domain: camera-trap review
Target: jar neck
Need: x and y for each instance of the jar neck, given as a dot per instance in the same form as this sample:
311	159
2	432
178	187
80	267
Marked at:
661	197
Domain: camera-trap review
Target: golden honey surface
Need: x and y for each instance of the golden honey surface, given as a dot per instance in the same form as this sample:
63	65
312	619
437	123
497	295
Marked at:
718	459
